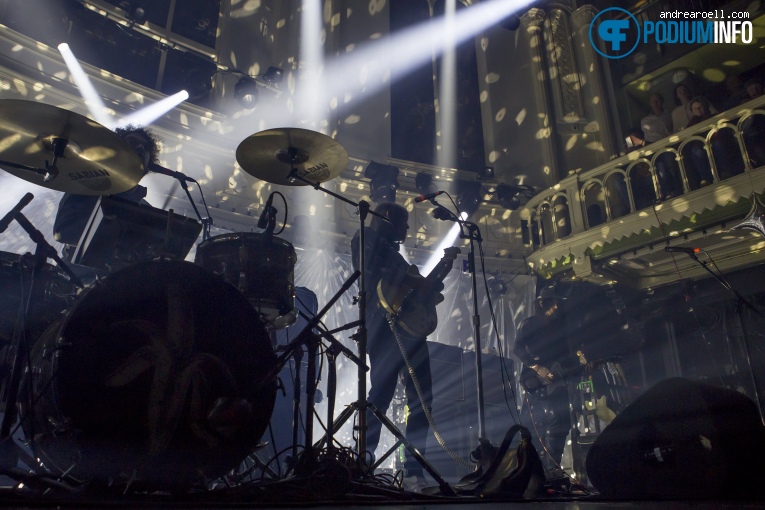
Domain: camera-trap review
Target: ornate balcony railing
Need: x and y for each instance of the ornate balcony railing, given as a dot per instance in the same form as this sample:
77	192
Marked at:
729	148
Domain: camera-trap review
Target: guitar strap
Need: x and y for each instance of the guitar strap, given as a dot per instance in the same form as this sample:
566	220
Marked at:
393	322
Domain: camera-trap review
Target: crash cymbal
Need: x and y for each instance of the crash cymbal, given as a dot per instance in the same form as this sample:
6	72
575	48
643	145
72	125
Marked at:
92	160
270	156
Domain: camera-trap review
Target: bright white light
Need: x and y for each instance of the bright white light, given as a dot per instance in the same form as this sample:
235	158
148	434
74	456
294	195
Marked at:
149	114
87	91
447	242
447	100
311	61
368	68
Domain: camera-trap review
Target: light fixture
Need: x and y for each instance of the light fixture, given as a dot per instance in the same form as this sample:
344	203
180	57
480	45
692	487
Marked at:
383	181
509	195
273	75
197	81
424	183
469	195
511	23
486	173
135	12
497	286
246	92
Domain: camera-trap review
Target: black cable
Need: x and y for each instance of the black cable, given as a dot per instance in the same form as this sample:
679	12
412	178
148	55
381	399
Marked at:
504	372
284	223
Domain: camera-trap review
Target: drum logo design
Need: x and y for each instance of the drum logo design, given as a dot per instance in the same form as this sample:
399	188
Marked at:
180	374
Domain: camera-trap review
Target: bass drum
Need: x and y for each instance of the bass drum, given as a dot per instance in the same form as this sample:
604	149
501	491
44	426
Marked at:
159	374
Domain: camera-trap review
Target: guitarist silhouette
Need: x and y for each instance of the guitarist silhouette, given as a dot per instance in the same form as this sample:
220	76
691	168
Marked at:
384	263
541	342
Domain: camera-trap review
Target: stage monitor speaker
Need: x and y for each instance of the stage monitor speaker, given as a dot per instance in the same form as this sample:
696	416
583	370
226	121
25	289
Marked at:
681	440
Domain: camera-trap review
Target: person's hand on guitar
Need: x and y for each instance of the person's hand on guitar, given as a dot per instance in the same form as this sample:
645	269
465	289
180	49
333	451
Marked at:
543	372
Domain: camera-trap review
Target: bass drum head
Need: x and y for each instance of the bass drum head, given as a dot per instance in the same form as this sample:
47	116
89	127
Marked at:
158	374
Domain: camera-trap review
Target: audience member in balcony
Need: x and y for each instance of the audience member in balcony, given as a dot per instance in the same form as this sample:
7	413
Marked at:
702	110
667	174
753	87
736	92
640	177
657	124
725	148
682	114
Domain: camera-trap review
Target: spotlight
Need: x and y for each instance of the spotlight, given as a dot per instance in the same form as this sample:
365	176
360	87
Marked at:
134	11
486	173
497	286
512	23
469	195
383	181
246	93
273	75
424	183
509	195
198	82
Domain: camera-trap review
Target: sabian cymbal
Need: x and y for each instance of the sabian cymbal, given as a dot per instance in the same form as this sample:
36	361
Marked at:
270	155
93	159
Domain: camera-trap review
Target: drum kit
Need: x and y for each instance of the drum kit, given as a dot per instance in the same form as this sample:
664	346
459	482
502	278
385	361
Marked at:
162	373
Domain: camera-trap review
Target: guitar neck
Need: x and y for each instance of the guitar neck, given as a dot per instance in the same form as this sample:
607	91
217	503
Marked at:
443	267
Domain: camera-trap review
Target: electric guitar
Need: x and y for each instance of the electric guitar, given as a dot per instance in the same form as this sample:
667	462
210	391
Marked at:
541	381
415	308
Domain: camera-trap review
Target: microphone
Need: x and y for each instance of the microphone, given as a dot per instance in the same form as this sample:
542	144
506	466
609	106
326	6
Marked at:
681	250
153	167
263	220
8	218
442	213
429	196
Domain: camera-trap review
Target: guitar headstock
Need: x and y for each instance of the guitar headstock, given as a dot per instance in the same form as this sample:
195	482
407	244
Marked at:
451	253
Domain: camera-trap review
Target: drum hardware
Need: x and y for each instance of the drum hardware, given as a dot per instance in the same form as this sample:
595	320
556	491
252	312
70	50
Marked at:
23	333
296	157
310	335
85	157
161	375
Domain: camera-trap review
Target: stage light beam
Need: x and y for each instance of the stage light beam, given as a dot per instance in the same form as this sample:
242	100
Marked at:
446	242
93	101
367	69
149	114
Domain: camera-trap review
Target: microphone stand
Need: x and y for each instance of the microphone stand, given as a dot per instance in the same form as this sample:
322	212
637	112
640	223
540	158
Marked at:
361	335
21	337
474	235
741	303
206	222
362	405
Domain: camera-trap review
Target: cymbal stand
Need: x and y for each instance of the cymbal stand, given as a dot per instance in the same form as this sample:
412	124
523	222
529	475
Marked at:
361	335
361	405
22	335
310	338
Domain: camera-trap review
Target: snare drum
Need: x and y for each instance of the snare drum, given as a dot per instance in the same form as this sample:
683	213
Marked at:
263	269
159	374
56	294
